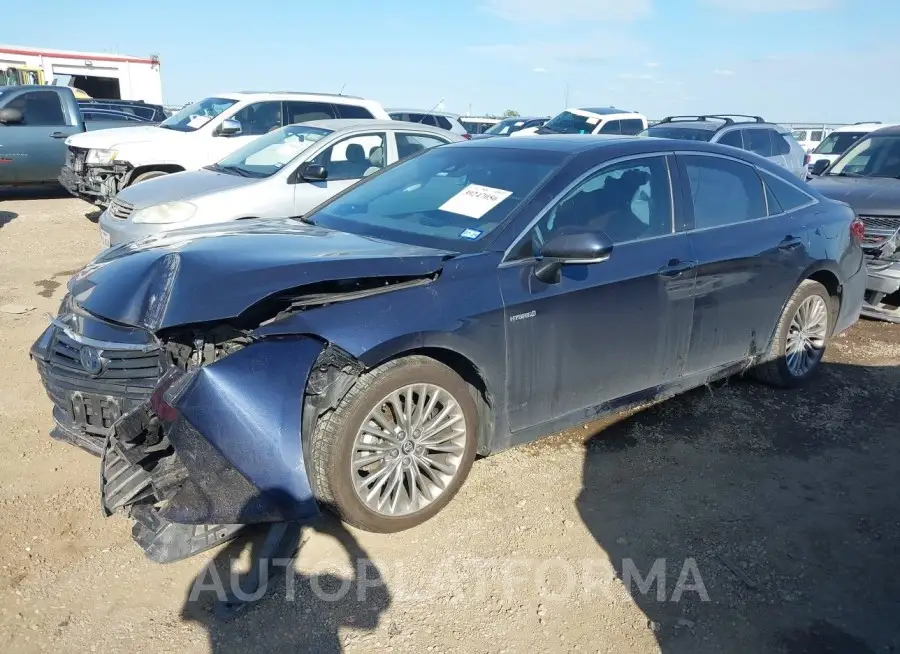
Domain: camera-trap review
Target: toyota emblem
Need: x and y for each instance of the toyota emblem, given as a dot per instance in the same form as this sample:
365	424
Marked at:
90	360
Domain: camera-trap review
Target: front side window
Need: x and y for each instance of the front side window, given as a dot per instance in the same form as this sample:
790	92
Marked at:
268	154
723	191
627	201
449	198
872	156
297	111
569	122
39	108
259	118
196	115
353	157
838	142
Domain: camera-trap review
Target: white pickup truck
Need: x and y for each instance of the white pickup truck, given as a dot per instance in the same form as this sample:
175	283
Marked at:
101	163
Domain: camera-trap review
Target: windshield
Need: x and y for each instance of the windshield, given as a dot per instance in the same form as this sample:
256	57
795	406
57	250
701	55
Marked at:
196	115
507	126
838	142
683	133
569	122
873	156
266	155
448	197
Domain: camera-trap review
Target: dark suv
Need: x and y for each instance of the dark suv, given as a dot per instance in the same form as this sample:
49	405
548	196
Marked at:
148	112
475	296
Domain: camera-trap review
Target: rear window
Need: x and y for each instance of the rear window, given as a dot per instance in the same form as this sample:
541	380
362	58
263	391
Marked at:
352	111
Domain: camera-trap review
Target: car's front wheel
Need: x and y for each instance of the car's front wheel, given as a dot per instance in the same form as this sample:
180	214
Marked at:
398	446
800	337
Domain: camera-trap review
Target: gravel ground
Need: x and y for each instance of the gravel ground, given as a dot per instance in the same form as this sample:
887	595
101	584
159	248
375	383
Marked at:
768	516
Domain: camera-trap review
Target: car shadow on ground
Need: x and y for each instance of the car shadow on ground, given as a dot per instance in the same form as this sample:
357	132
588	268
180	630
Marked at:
7	217
295	612
38	192
780	506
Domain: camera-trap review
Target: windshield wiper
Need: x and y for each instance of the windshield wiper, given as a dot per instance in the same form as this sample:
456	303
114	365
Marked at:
549	129
845	174
237	170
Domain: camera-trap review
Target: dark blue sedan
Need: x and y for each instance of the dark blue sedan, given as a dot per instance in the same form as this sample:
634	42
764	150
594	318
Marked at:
474	297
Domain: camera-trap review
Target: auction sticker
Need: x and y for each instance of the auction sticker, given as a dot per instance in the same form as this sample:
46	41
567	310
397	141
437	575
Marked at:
470	234
475	200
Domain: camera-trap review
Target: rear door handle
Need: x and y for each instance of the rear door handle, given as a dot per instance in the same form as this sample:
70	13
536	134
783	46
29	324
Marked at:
790	243
58	135
676	268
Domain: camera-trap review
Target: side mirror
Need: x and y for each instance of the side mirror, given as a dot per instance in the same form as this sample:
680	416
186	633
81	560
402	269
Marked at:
820	167
571	248
312	172
10	116
230	127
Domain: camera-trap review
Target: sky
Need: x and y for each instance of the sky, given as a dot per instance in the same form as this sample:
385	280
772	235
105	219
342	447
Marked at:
787	60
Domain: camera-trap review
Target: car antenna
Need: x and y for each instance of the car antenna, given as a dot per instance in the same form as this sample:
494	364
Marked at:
341	92
431	111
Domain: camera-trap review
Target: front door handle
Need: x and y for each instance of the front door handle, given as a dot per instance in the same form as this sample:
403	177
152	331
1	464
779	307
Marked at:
58	135
790	243
676	268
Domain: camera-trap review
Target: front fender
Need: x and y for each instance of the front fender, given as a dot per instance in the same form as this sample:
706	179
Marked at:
238	433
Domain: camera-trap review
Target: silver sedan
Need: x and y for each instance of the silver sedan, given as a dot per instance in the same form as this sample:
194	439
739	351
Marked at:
284	173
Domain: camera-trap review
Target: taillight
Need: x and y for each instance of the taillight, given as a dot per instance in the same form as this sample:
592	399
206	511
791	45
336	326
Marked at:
467	136
806	159
857	229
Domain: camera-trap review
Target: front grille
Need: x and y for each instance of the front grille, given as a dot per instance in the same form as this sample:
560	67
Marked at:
119	209
879	229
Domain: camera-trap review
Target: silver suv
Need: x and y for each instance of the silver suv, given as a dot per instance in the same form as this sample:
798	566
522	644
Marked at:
750	133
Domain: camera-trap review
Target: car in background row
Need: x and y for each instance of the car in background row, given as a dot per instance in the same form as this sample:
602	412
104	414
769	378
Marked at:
477	124
751	133
94	114
284	173
809	138
440	119
591	120
867	177
101	164
838	141
150	112
509	126
358	358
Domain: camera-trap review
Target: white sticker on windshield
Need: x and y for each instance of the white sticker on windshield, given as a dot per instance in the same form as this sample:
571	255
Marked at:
592	120
475	200
198	121
519	123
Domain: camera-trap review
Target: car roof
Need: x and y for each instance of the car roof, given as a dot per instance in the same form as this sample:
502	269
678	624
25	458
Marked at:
335	124
605	111
264	95
890	130
559	142
867	126
525	118
398	110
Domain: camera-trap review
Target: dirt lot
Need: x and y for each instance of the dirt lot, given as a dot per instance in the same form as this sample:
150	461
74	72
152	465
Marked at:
780	508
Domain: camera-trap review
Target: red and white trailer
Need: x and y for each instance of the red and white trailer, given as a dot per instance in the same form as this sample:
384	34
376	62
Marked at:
100	75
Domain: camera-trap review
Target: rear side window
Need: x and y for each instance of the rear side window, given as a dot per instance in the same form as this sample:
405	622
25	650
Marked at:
779	143
611	127
409	144
443	123
301	112
723	191
787	196
632	126
733	139
352	111
758	141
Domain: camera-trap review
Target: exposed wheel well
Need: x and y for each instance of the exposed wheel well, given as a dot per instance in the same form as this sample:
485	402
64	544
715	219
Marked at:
469	372
166	168
831	283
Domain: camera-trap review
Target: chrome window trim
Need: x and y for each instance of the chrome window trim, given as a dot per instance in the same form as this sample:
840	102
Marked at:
505	261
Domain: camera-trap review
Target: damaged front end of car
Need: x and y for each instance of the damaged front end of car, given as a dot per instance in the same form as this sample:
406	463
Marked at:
94	181
200	411
881	245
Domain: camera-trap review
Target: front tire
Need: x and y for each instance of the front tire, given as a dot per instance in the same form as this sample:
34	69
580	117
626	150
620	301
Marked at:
398	447
800	337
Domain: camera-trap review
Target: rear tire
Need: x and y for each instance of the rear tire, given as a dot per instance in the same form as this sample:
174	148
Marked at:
384	469
800	337
150	174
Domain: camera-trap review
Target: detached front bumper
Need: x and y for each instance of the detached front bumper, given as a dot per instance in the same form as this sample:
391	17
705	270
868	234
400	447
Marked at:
882	300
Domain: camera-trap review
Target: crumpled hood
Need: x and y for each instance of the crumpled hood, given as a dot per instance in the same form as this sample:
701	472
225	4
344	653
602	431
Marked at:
105	139
218	271
879	196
